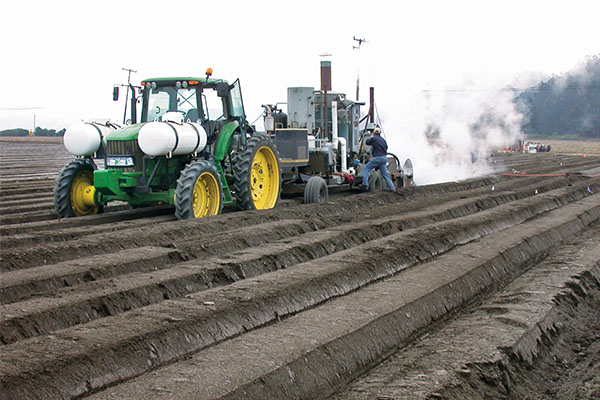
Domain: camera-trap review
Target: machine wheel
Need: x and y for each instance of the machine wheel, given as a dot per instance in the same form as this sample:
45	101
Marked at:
375	181
257	178
407	174
198	193
316	191
74	190
407	181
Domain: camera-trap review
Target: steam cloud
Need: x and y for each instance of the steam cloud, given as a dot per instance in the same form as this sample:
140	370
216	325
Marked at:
451	134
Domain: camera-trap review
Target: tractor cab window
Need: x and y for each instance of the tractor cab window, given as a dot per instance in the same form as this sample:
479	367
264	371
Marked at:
212	104
164	99
237	106
158	104
187	104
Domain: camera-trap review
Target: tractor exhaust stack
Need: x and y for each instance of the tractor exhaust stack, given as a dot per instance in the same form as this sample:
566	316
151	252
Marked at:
325	86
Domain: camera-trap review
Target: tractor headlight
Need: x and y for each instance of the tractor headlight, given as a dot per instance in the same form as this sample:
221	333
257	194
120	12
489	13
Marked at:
119	161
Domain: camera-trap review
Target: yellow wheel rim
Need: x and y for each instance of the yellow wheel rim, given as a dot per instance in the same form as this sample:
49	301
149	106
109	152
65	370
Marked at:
264	179
82	194
207	198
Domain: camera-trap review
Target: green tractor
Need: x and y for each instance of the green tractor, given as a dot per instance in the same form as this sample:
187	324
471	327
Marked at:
192	149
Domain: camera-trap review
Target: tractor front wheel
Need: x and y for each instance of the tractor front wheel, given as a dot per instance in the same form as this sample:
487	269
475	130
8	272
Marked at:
198	193
257	179
74	192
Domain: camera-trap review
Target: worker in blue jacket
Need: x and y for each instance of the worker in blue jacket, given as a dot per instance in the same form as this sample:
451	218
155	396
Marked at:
378	159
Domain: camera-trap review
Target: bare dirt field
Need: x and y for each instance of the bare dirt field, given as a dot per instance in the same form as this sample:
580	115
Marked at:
485	288
574	147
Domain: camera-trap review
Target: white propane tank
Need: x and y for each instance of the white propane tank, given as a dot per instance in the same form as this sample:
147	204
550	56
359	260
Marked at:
85	138
161	138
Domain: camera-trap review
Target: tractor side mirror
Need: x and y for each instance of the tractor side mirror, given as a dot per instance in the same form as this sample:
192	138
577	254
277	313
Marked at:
115	93
222	89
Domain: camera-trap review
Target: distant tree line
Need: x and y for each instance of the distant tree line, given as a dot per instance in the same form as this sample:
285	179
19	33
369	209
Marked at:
566	105
38	132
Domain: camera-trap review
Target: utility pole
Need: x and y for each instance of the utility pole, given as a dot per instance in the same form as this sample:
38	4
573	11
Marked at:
129	71
32	132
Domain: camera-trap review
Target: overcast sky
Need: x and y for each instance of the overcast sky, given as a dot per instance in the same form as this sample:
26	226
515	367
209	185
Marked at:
60	58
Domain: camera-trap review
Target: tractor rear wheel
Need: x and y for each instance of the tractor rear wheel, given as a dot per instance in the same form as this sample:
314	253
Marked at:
257	178
315	190
74	191
198	193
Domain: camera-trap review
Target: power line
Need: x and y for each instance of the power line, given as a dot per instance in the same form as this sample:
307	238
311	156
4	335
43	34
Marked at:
21	108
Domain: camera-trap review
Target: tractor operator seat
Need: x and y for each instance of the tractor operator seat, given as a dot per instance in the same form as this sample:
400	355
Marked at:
193	115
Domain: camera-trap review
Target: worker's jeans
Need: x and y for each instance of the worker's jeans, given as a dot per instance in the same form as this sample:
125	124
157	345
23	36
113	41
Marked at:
377	162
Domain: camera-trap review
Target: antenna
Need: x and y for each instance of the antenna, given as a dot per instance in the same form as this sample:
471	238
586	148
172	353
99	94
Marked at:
129	71
360	41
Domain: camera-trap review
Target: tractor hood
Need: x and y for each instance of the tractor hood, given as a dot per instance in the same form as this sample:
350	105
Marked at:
129	132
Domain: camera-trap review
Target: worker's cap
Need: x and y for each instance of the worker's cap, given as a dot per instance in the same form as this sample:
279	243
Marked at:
377	130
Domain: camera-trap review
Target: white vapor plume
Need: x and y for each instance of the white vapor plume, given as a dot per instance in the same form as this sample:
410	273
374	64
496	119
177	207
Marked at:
452	134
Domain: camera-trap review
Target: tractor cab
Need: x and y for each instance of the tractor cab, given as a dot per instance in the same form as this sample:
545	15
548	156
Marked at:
209	102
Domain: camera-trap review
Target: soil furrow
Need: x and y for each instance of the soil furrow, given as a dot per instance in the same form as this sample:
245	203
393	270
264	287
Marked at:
480	202
29	190
47	206
183	281
59	225
20	285
316	372
167	232
203	319
120	220
529	320
473	205
62	224
40	198
112	215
